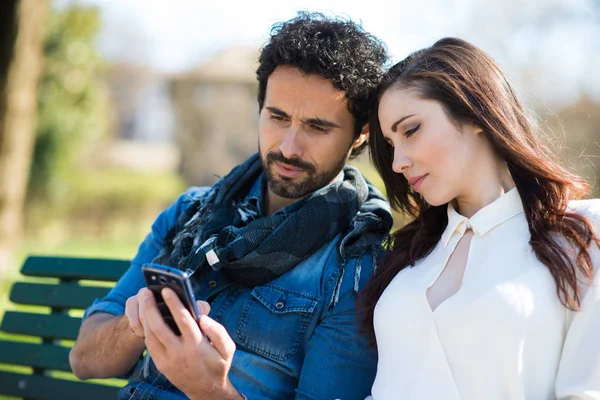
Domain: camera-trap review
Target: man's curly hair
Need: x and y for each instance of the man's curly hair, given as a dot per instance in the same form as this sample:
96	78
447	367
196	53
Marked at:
338	50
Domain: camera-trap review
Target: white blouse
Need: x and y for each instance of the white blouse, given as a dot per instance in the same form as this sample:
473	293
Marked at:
504	335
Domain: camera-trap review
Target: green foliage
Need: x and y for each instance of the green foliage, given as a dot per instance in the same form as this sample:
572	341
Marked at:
72	100
104	199
66	200
117	204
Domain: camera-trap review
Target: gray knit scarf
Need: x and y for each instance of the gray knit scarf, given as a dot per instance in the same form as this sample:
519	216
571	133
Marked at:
222	231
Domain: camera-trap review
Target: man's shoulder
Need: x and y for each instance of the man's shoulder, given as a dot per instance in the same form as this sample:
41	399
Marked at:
194	193
191	195
169	216
351	272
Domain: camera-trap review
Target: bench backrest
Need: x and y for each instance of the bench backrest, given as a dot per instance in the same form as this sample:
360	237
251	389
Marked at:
52	326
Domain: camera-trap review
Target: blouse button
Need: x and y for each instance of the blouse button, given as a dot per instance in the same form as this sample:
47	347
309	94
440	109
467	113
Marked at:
212	284
279	305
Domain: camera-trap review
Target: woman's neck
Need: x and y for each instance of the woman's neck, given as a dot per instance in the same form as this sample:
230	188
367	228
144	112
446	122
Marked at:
484	190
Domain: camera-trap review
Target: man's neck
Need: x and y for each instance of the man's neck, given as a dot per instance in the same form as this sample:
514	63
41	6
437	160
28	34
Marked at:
274	203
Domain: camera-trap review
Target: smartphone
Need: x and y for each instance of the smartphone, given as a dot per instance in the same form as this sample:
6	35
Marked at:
158	277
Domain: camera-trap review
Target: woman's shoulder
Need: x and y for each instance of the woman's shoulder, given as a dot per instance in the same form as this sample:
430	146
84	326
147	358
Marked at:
589	208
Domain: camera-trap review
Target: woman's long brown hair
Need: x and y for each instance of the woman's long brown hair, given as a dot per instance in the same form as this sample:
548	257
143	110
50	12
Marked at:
472	89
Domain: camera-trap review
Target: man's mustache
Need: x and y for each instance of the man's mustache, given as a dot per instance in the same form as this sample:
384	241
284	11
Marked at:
294	162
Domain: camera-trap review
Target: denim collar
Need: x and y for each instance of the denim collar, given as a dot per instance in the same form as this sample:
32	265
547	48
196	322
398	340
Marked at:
255	195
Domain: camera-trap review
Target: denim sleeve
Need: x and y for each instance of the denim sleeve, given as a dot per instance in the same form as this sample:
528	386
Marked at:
339	363
132	281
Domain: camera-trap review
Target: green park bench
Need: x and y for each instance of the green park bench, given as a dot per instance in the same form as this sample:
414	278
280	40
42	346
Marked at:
41	341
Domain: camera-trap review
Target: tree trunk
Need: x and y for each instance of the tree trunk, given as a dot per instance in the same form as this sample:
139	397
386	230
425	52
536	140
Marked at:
22	27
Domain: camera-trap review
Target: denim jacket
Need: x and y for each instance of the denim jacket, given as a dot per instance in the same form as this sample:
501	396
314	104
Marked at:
296	336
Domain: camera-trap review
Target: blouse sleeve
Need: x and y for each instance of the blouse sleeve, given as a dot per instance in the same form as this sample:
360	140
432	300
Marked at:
578	375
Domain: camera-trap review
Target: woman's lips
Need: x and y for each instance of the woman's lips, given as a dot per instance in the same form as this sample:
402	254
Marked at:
416	181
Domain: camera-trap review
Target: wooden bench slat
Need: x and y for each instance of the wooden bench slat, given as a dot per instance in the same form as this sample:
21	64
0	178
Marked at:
75	268
55	326
48	388
56	295
46	356
48	326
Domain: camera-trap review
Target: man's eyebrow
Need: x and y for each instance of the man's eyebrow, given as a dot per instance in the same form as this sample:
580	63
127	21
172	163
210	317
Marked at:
321	122
314	121
395	124
277	111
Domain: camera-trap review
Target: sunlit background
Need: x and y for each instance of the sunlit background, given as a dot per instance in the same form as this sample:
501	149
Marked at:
139	99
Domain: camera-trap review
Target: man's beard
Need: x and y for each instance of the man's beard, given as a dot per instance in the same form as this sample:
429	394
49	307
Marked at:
284	187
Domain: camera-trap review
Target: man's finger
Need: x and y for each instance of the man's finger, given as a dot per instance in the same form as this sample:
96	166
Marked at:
184	320
133	316
141	307
153	321
154	346
203	306
219	337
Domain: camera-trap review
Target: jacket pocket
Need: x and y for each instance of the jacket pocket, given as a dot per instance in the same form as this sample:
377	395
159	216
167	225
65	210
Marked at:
275	320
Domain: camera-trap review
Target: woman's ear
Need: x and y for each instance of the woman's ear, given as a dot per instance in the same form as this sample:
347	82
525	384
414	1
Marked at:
472	128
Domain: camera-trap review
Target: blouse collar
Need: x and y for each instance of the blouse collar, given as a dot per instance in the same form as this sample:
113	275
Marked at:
500	210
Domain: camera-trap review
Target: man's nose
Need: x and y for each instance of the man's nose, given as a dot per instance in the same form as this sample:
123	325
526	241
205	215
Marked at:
291	146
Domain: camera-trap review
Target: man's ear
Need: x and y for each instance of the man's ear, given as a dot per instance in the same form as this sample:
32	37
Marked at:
364	135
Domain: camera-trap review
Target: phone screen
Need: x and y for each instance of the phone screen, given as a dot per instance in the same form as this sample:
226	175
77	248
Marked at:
158	277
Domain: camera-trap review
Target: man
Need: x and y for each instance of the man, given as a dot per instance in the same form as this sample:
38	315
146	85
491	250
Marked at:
279	247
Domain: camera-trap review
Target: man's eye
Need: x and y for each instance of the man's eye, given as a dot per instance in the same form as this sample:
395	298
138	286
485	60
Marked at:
277	117
319	128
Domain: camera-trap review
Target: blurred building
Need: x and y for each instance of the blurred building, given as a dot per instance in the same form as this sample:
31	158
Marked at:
141	137
216	114
141	101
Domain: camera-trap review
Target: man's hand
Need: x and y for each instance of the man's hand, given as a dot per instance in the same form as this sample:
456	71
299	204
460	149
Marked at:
132	313
195	365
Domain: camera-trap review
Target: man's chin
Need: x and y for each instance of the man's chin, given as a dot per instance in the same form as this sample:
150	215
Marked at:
284	187
285	179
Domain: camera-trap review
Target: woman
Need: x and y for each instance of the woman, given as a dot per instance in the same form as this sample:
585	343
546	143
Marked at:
489	293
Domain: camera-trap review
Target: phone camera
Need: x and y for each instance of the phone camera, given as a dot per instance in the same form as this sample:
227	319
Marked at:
162	280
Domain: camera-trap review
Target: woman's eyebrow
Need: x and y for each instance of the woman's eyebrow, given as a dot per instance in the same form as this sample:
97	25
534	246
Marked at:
395	124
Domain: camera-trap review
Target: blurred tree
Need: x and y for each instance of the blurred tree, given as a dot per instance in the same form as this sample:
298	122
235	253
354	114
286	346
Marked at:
21	37
72	102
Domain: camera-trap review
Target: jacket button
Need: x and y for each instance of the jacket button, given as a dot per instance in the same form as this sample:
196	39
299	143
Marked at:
279	305
212	284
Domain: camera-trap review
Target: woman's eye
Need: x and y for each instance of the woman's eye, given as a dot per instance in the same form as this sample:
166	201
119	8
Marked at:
412	131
